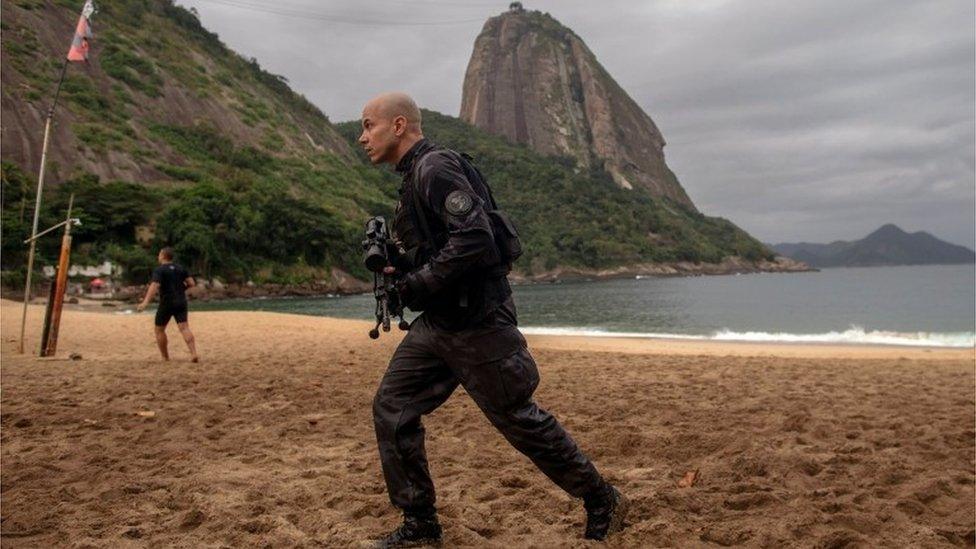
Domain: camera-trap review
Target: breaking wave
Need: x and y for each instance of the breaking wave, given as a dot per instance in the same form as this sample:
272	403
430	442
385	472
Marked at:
855	335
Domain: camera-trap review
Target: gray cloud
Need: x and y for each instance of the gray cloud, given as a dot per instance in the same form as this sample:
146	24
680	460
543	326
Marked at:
807	120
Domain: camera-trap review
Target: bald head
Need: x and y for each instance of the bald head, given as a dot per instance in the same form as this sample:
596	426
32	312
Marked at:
391	125
394	104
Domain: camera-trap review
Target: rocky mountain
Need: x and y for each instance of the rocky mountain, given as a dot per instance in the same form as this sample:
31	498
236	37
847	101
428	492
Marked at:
534	81
167	137
889	245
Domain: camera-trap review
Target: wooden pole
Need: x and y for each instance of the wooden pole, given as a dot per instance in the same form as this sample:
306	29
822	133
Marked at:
46	333
61	285
37	204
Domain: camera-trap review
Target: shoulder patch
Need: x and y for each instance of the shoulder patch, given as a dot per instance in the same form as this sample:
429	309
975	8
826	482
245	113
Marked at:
458	203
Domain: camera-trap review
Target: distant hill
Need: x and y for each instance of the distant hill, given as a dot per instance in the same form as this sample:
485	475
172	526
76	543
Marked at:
889	245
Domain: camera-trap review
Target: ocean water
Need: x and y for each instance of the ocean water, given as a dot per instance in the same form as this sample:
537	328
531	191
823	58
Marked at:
911	305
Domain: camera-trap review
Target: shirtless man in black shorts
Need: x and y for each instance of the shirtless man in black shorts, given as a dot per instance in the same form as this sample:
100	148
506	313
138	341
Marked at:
170	281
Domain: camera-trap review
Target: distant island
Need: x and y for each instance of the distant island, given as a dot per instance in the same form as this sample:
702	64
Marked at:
889	245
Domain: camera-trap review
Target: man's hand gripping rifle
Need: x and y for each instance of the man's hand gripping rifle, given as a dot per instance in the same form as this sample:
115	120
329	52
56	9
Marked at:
379	250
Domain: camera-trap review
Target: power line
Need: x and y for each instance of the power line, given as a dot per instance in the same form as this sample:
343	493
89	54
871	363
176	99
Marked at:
332	18
443	3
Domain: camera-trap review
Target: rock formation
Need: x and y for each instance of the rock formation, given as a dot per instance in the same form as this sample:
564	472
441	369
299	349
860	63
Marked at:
535	82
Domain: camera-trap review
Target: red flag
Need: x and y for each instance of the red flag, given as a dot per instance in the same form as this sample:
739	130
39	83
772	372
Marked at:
83	34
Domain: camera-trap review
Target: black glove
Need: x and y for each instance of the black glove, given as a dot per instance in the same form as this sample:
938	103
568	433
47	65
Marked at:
411	290
403	291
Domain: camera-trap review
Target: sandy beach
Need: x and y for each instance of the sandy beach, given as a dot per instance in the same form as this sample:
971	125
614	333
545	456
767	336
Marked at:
269	441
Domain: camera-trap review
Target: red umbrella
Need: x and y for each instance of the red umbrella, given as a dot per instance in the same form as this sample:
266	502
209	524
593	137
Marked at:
97	283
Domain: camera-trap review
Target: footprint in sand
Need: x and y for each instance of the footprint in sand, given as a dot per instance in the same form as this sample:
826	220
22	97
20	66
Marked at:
910	507
839	539
725	535
748	501
192	519
262	526
962	538
490	495
809	467
514	482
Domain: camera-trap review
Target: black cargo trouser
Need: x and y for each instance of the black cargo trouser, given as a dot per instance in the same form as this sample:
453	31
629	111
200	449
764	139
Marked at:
494	366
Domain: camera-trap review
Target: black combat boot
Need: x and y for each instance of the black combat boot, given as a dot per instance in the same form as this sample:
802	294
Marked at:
605	515
416	531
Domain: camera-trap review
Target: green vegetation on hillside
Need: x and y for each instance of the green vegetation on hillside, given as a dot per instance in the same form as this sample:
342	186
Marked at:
256	231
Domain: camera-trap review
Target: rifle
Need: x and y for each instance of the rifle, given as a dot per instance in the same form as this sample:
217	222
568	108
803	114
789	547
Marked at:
378	251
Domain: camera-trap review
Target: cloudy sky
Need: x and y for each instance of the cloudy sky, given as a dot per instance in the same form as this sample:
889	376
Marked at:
809	120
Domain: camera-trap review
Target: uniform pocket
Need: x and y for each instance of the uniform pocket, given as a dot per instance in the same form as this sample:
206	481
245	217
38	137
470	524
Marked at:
519	377
506	236
494	367
501	384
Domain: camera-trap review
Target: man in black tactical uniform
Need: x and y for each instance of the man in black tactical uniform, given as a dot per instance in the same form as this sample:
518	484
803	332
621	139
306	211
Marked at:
466	335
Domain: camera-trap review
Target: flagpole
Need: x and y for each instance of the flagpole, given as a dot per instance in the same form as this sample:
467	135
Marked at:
37	203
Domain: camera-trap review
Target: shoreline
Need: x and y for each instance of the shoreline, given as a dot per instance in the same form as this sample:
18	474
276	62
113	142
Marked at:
557	342
611	339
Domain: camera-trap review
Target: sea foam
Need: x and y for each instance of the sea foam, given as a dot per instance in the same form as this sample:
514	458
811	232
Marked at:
853	336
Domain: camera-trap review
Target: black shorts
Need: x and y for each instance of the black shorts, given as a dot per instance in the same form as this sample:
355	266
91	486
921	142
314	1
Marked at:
168	310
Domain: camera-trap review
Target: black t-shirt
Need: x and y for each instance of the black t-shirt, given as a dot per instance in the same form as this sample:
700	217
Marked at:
172	290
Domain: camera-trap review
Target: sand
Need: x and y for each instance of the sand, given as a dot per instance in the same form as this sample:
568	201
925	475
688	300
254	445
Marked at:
269	441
